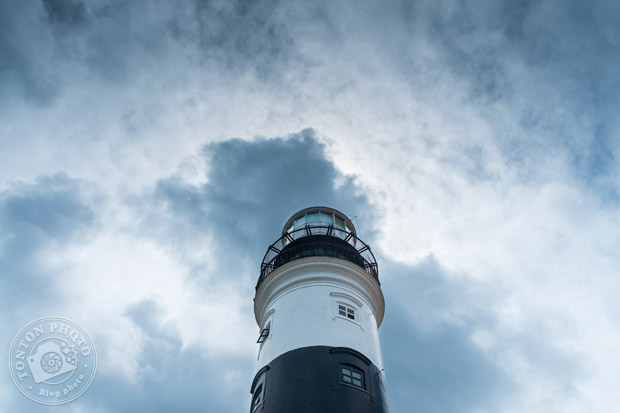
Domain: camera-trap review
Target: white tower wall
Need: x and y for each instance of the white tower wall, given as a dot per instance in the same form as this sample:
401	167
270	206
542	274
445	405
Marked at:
299	303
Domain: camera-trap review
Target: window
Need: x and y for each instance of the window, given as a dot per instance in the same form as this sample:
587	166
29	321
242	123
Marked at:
339	222
350	369
312	218
257	398
348	307
264	334
353	376
258	390
300	222
266	331
327	218
346	311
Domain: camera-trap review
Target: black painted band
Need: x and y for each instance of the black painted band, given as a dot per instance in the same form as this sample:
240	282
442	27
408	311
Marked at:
320	379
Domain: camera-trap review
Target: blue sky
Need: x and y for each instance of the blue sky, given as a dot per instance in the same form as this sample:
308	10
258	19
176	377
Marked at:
151	151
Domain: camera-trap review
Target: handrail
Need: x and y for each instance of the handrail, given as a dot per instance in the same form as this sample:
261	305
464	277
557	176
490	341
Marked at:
360	253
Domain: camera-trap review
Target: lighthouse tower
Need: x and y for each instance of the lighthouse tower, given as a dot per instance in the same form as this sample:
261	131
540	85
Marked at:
318	306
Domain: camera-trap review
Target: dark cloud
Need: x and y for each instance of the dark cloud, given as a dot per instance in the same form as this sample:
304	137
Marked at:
438	370
66	12
552	64
49	213
253	188
45	46
25	71
50	208
562	44
276	176
431	362
148	316
431	359
247	34
596	165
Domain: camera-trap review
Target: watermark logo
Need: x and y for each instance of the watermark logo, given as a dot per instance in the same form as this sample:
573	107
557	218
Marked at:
52	360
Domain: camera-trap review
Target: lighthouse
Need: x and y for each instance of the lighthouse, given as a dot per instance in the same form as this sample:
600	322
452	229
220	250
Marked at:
319	305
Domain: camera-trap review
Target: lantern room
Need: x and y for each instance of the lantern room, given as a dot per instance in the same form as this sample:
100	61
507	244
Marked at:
318	221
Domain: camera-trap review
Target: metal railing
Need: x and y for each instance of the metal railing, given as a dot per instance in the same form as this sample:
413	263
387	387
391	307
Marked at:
349	248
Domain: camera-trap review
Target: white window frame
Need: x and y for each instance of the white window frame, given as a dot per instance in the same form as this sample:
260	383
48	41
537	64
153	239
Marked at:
348	312
342	299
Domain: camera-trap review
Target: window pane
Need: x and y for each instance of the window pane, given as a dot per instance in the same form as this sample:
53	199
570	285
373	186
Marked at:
346	372
357	382
312	218
300	222
346	379
257	397
346	312
339	222
357	375
327	218
263	334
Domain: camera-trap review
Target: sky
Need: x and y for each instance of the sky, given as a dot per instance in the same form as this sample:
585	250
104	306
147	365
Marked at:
150	151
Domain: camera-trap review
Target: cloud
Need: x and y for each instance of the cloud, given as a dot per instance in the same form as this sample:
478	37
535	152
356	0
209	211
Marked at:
427	341
67	12
446	345
252	188
164	281
483	136
25	47
42	216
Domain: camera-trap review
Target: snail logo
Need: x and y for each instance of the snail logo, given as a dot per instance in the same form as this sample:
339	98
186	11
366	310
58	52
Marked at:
52	360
